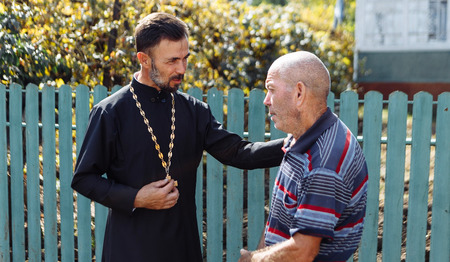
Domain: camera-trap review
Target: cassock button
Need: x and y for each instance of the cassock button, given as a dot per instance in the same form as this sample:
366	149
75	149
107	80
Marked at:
153	100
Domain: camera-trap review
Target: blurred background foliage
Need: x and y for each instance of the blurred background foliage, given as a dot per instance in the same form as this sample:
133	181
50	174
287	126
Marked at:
233	43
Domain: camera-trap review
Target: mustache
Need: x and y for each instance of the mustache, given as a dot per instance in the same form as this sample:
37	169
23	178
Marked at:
177	77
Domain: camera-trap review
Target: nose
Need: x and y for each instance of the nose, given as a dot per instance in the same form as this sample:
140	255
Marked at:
267	99
181	67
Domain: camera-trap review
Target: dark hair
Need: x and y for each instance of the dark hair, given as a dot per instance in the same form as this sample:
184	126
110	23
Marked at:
156	27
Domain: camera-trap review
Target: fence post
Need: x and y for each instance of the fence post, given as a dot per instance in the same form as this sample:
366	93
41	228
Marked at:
440	226
33	168
197	93
17	175
4	190
274	134
372	126
65	173
83	203
49	173
348	111
101	212
235	179
255	184
395	172
418	180
214	189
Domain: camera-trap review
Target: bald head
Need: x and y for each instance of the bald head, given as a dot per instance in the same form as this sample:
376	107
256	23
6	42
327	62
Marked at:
304	67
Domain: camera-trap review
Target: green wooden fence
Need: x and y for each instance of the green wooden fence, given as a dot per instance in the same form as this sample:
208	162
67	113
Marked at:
41	218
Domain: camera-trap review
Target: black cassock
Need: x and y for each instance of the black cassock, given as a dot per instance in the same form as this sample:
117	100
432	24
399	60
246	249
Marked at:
117	143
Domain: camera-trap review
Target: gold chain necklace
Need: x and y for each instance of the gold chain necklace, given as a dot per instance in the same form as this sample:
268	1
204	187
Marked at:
165	165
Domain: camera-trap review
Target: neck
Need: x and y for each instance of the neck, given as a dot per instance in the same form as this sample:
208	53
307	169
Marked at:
307	120
144	78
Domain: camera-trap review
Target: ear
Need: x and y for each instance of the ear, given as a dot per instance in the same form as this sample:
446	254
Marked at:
300	92
144	60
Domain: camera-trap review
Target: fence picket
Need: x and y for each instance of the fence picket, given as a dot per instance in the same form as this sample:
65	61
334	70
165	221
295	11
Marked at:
348	111
274	134
33	170
331	101
65	173
255	180
49	173
4	189
372	126
235	180
395	172
197	93
418	180
214	192
17	175
101	212
83	203
440	226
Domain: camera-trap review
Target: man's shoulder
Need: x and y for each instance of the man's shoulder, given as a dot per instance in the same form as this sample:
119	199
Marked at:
115	99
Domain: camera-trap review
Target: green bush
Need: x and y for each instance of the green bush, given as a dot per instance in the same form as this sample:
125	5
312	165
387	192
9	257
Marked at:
232	43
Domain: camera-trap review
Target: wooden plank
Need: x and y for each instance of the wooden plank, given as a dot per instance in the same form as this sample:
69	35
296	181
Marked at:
395	172
330	101
274	134
349	115
83	203
65	173
214	192
32	160
4	189
348	110
255	185
418	181
101	212
197	93
116	88
235	180
17	175
372	126
49	173
440	226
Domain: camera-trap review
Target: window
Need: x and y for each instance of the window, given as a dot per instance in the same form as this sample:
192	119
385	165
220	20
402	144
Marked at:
437	27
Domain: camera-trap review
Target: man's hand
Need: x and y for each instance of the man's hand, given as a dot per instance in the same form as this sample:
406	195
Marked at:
246	256
161	194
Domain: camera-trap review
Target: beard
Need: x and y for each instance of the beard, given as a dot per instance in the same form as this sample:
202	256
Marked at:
155	76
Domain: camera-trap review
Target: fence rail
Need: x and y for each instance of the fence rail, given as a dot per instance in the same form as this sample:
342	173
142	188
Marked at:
406	144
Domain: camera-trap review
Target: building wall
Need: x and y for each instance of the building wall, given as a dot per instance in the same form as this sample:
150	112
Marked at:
403	45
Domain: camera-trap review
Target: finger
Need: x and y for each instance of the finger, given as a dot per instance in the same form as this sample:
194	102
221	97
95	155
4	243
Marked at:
169	187
161	183
170	203
173	195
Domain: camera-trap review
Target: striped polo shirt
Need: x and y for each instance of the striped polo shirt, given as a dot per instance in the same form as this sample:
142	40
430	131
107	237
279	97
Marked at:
321	190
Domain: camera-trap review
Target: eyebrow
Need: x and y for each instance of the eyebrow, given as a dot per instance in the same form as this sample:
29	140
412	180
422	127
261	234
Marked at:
177	58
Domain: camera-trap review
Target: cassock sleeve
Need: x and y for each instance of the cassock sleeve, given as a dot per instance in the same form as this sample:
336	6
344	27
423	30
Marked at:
230	149
97	152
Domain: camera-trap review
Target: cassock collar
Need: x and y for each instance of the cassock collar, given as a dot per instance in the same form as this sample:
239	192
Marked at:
149	93
313	133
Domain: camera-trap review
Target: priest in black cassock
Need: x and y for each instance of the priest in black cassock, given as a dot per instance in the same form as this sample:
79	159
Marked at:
149	140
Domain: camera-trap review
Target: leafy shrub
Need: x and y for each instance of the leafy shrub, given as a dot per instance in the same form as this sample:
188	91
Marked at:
232	43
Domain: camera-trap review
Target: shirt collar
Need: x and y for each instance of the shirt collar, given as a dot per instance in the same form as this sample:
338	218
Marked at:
313	133
150	93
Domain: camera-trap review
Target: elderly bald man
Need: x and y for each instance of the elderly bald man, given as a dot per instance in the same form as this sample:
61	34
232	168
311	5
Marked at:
319	196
